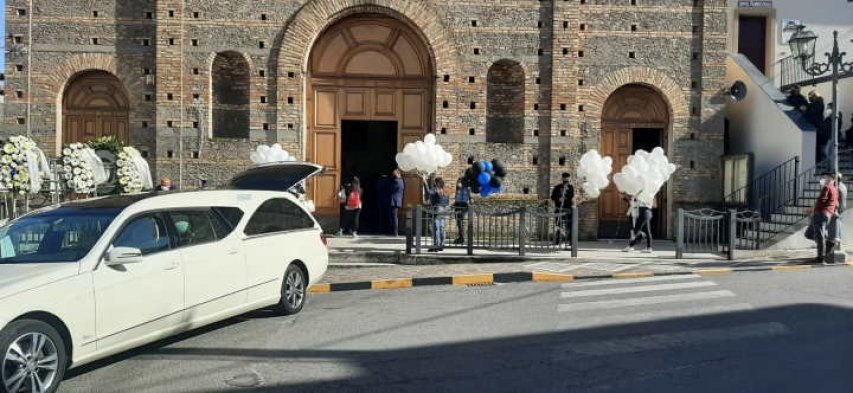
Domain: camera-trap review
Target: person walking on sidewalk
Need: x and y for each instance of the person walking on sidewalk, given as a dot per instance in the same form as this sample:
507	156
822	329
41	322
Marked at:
563	196
825	208
352	209
642	227
460	208
835	223
439	201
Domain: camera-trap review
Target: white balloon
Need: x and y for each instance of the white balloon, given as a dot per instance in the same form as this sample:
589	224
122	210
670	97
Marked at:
429	139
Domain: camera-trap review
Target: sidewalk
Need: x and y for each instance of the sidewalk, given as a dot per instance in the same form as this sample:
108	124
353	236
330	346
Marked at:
358	262
371	250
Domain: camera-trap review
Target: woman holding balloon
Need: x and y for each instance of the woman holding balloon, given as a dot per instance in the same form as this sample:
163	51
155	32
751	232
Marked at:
439	200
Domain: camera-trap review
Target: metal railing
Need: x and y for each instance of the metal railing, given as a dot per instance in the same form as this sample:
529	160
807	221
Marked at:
517	229
792	72
716	232
765	191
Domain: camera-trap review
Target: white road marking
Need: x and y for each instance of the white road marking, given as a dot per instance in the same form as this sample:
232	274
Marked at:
588	321
668	340
637	289
619	303
630	281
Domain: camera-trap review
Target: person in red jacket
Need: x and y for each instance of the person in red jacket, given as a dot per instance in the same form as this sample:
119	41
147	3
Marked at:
825	208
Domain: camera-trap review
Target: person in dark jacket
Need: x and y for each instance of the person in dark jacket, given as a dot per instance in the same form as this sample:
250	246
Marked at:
563	196
849	134
815	115
396	190
797	100
460	207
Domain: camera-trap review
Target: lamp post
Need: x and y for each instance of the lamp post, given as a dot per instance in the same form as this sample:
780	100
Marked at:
803	48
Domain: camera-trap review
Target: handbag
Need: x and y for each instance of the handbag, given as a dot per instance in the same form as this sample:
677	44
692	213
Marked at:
810	232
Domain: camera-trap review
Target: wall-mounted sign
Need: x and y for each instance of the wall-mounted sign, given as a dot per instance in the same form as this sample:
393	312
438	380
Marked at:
755	3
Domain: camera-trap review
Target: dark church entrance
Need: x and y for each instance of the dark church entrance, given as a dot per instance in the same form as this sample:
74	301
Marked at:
368	152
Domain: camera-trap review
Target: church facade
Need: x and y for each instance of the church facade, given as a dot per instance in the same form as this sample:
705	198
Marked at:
196	85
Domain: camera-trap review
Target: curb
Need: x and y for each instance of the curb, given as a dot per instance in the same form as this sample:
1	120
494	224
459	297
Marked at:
541	277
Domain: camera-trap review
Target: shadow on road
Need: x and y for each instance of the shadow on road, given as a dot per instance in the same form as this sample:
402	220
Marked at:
800	348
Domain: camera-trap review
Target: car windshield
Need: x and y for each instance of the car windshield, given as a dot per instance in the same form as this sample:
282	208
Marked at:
59	235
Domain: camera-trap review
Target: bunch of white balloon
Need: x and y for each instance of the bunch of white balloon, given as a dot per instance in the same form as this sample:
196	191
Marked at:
425	157
593	172
645	174
265	154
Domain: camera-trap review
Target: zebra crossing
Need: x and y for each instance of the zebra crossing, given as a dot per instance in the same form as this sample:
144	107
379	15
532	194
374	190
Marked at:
600	304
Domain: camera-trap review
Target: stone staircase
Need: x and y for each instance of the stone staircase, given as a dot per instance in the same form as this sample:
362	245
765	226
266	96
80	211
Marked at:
793	216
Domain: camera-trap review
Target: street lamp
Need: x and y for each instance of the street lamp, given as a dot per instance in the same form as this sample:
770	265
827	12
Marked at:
803	48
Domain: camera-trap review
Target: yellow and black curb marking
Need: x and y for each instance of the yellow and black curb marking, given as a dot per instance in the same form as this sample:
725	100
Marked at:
505	278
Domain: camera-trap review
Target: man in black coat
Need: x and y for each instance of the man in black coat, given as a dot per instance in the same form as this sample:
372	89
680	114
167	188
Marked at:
563	196
396	190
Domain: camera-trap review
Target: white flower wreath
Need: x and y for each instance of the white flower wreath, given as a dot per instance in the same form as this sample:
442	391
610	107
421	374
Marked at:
23	166
82	169
129	173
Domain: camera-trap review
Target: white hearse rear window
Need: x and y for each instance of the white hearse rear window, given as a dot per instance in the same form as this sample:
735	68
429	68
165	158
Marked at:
278	215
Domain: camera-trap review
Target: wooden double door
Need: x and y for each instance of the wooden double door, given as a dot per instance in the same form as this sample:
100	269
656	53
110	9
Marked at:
333	106
620	142
365	68
94	105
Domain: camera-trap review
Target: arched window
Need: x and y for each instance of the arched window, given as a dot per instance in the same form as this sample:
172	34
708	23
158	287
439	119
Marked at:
505	109
230	96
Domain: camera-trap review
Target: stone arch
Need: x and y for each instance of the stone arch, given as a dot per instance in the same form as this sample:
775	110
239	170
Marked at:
292	49
505	102
230	95
314	17
670	90
94	104
64	73
672	115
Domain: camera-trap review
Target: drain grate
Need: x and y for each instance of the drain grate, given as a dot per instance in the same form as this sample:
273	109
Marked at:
249	380
479	285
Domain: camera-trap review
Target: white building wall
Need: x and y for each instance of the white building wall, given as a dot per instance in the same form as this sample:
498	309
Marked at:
759	124
820	16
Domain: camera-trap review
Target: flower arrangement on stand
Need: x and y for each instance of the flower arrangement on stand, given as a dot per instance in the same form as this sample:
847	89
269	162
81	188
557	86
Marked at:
77	168
128	172
132	173
23	166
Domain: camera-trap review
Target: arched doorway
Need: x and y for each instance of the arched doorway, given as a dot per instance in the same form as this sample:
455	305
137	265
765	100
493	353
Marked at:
634	117
370	91
505	103
229	98
94	105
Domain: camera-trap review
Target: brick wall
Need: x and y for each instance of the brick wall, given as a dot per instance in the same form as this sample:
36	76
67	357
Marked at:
573	54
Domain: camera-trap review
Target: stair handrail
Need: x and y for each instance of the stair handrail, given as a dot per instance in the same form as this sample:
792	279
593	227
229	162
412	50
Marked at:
793	191
766	182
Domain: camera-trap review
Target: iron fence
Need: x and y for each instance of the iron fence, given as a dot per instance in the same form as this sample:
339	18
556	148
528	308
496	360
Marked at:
518	229
717	232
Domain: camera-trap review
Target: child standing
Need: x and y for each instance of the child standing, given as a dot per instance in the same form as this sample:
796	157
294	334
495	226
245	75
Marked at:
439	200
352	209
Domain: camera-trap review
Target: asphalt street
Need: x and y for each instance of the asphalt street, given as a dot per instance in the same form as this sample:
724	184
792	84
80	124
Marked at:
745	332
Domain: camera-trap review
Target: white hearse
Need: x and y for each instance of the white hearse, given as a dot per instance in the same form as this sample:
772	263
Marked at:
84	280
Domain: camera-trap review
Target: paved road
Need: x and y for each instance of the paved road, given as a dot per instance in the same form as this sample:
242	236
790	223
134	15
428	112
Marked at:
748	332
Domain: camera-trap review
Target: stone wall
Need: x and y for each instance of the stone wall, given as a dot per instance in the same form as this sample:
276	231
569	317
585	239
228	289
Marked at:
573	54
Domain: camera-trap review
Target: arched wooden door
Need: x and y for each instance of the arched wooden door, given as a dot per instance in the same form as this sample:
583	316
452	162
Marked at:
94	105
365	69
634	117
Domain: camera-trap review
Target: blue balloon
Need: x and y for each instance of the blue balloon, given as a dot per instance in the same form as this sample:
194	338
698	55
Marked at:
487	166
484	179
